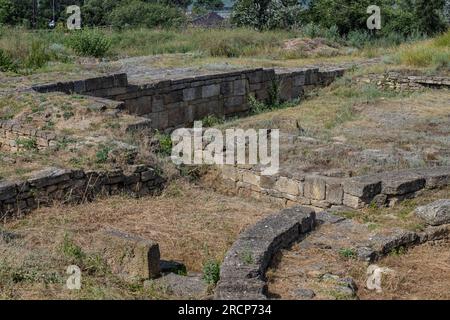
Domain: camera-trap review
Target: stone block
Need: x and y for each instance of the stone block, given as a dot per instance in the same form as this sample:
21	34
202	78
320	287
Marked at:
334	191
365	187
8	190
401	182
157	104
315	187
353	201
240	87
210	91
286	185
129	256
190	94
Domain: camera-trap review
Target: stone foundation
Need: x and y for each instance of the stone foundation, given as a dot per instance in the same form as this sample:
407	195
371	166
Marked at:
74	186
14	137
178	103
399	82
382	189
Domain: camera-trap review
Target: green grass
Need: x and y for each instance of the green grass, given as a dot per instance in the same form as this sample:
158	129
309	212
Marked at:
433	54
211	272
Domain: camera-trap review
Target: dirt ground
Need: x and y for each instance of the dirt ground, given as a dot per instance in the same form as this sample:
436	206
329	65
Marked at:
327	257
420	273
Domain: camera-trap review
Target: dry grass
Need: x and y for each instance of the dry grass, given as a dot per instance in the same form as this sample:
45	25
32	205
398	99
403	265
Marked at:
401	215
186	231
421	273
358	128
191	225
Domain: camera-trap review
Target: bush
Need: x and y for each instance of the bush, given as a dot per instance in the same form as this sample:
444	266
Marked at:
264	15
359	38
89	43
211	272
38	56
151	15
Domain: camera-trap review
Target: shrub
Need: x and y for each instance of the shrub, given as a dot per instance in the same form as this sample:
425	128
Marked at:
312	30
27	143
102	154
211	272
71	251
89	43
358	38
151	15
164	143
264	15
256	106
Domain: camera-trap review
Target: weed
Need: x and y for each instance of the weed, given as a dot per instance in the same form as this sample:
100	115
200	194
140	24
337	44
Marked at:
27	143
164	143
211	121
71	251
211	272
102	154
347	253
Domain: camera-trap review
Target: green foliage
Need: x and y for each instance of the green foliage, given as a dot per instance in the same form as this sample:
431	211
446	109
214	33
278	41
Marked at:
6	62
265	15
273	99
347	253
27	143
164	143
359	38
151	15
256	106
403	17
72	251
38	56
102	154
211	121
89	42
211	272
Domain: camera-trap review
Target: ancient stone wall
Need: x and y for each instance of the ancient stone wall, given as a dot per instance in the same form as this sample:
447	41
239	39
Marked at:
74	186
14	137
399	82
105	86
243	271
382	189
177	103
242	274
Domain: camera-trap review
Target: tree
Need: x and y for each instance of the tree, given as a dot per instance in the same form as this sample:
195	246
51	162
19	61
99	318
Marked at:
148	14
429	14
208	4
265	14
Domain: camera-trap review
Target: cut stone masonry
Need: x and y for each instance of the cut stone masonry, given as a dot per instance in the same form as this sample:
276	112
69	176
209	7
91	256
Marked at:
382	189
74	186
170	104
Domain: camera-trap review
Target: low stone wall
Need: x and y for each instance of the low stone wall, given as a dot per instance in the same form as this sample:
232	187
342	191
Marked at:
242	274
74	186
324	192
177	103
14	137
398	81
105	86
